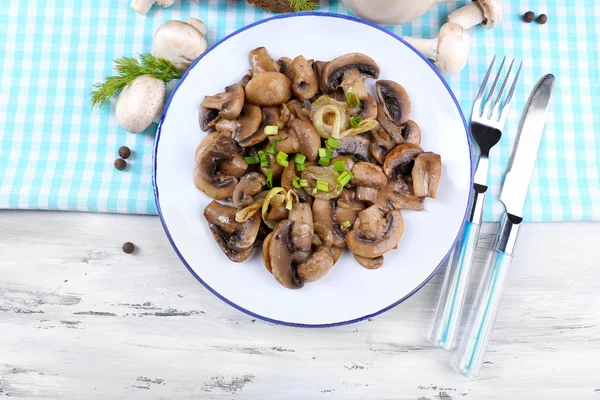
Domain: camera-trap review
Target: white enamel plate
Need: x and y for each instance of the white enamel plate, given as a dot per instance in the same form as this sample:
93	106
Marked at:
349	292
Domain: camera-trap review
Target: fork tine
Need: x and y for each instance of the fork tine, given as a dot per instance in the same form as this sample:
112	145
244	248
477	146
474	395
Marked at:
488	101
508	101
477	103
501	92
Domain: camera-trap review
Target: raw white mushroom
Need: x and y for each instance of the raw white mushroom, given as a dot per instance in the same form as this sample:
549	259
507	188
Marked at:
143	6
180	42
449	51
140	103
488	13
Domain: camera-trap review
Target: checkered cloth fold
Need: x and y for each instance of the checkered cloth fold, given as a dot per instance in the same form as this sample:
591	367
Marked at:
57	153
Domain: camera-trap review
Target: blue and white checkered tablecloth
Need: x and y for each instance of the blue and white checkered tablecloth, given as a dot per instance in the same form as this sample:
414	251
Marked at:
57	153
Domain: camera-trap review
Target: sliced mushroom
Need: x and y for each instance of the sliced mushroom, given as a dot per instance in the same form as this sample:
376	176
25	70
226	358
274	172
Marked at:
348	72
302	231
285	67
324	213
235	239
426	174
357	145
399	162
280	254
265	251
317	265
207	118
261	61
269	89
306	82
270	117
217	159
411	133
297	109
369	263
366	194
396	196
276	213
348	162
395	101
375	234
347	210
395	131
308	137
229	103
249	186
369	175
244	126
274	167
336	254
367	109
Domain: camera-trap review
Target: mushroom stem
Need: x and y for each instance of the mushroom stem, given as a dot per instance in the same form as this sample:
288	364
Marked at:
467	16
427	47
143	6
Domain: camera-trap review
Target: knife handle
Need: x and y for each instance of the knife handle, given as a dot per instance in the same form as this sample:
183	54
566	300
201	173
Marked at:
456	281
472	350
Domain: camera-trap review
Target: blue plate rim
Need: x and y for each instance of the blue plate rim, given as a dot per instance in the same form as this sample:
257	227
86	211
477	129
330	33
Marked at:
155	165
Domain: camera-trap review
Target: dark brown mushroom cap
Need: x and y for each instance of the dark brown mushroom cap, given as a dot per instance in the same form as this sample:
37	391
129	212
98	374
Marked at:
356	145
400	160
396	196
249	186
324	213
261	61
395	101
229	103
375	234
426	174
317	265
280	254
369	175
369	263
244	125
332	73
308	137
306	81
269	89
207	118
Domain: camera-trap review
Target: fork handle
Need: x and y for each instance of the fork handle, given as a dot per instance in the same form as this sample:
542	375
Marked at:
454	289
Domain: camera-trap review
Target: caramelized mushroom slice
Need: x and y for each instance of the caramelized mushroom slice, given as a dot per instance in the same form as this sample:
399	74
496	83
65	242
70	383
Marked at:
349	72
395	131
367	109
270	117
347	210
265	251
269	89
426	174
399	162
261	61
285	67
244	126
366	194
323	212
229	103
369	175
308	137
396	196
395	101
306	82
280	255
375	234
411	133
207	118
357	145
369	263
250	185
302	231
317	265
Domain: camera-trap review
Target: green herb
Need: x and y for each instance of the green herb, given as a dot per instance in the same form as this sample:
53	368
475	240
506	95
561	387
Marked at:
299	183
355	121
129	68
271	130
270	179
322	186
322	152
325	156
352	100
300	167
344	178
324	161
282	159
346	224
300	158
339	166
332	143
303	5
272	148
252	160
264	161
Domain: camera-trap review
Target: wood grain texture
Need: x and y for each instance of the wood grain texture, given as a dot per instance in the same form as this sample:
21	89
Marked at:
79	319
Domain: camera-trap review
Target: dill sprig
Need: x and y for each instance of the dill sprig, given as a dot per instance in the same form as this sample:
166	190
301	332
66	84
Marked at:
129	68
303	5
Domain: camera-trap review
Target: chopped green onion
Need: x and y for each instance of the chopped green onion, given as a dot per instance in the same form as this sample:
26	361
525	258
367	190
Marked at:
264	161
303	183
282	159
271	130
353	100
270	179
325	156
339	166
296	182
322	152
300	167
272	148
265	164
355	121
332	143
346	224
252	160
322	186
324	161
344	178
300	158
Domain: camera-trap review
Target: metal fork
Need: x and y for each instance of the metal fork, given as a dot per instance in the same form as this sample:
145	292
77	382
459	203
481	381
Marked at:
486	130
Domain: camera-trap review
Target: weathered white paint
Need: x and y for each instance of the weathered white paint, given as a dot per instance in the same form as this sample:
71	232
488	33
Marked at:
79	319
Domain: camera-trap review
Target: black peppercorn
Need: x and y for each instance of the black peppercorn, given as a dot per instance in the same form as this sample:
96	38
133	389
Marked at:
128	247
542	19
529	16
124	152
120	164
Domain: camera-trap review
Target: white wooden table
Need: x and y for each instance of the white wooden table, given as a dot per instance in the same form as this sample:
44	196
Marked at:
79	319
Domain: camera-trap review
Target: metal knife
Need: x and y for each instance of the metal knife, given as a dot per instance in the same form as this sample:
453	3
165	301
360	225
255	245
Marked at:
471	352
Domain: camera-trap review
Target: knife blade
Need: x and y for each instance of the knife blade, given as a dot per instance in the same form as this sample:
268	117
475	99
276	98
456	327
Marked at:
527	142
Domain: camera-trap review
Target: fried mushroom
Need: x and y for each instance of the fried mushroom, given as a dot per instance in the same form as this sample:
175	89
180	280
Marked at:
376	234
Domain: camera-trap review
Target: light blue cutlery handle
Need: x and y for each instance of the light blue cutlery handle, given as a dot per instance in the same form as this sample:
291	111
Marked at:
447	321
471	353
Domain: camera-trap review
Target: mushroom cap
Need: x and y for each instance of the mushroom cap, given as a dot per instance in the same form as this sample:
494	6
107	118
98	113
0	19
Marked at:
302	231
396	196
452	49
270	116
280	254
323	213
261	61
493	10
285	67
250	185
265	251
393	130
367	109
269	89
139	103
399	161
366	194
357	145
369	175
347	210
229	103
317	265
244	125
426	174
395	101
411	133
306	82
207	118
196	23
375	235
369	263
333	72
179	42
308	138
